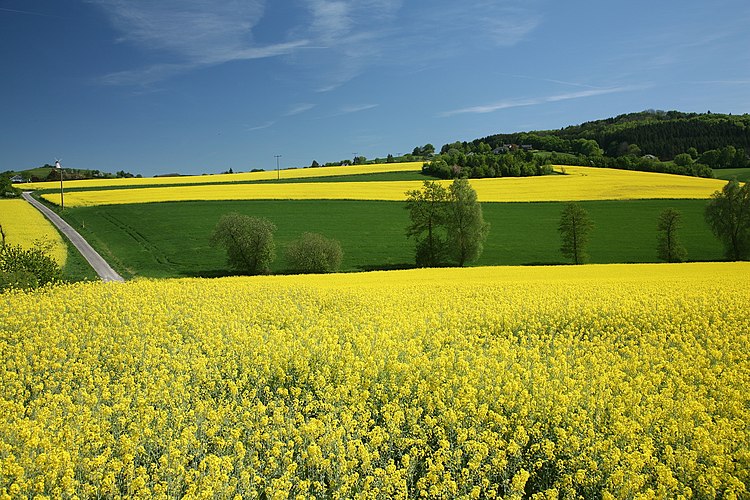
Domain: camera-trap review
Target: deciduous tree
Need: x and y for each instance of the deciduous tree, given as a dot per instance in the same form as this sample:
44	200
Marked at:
247	240
428	212
314	253
466	227
728	214
668	246
575	226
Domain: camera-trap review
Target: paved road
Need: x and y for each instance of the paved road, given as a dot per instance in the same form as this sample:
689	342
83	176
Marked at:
105	272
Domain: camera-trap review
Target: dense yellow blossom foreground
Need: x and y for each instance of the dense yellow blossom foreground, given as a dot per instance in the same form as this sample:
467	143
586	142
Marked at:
582	183
293	173
621	381
24	225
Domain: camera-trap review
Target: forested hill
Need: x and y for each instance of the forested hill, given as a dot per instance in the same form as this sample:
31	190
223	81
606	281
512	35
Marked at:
664	134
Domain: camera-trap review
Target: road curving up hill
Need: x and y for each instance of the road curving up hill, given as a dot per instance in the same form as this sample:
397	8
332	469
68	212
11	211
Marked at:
102	268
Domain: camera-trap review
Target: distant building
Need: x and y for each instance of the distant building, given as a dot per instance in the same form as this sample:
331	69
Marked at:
17	179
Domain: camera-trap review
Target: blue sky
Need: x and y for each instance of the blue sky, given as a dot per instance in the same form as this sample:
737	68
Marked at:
198	86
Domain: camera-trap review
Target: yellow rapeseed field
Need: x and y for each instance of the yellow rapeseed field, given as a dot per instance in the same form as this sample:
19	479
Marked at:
610	381
581	183
295	173
24	225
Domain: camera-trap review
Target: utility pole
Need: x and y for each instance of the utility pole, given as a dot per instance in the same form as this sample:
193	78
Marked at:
62	199
278	174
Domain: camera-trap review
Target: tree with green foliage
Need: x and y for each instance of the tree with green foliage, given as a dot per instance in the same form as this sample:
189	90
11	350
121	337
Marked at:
466	227
247	240
575	227
728	214
314	253
6	188
683	160
428	213
668	247
27	268
587	147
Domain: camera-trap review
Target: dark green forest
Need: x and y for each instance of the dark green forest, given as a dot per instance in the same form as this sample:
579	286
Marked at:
651	140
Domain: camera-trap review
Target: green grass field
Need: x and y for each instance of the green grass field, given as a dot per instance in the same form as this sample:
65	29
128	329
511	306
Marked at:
171	239
741	174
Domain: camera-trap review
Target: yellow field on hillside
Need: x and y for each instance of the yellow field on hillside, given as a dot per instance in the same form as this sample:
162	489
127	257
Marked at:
23	225
294	173
580	183
611	381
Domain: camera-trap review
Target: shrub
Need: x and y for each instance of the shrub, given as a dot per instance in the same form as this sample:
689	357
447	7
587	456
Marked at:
27	268
248	241
314	253
7	190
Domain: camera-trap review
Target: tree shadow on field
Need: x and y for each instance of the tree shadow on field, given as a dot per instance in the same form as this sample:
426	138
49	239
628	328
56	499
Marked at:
210	273
386	267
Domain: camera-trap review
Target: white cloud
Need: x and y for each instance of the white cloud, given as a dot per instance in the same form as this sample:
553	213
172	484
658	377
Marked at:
342	38
299	109
261	126
515	103
357	108
191	33
509	30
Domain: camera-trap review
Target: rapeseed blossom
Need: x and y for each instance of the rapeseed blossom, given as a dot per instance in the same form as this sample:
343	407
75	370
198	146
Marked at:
24	225
581	183
571	381
263	175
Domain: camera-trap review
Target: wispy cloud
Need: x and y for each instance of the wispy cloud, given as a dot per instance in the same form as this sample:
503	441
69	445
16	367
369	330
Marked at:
359	35
515	103
267	124
552	80
341	38
357	108
347	110
510	29
299	109
189	34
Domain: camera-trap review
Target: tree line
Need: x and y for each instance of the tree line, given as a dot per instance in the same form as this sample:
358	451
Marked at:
448	226
653	141
664	134
727	214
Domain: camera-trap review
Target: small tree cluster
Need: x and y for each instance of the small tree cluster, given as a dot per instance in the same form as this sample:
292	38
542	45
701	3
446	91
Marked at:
251	249
27	268
447	224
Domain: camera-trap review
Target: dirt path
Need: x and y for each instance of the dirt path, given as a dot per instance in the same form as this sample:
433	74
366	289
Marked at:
105	272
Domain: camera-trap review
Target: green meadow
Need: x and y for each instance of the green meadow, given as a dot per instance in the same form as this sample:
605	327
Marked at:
172	239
